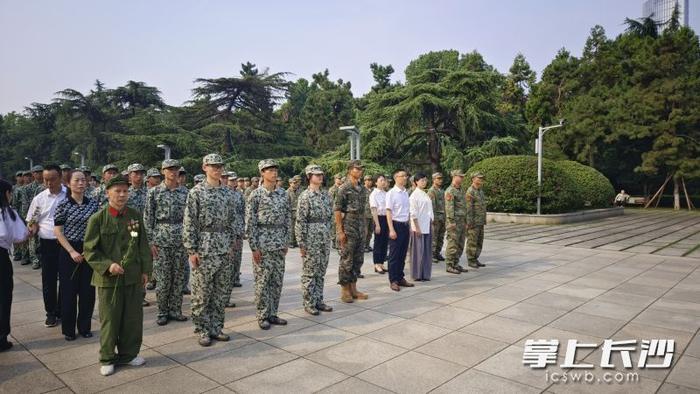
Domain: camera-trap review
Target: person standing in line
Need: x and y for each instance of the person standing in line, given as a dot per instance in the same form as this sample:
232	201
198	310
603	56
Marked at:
476	219
397	217
369	227
377	204
239	209
455	223
333	192
421	214
109	171
437	196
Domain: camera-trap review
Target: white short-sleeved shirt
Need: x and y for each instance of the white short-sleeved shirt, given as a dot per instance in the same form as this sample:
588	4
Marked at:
397	202
377	199
44	206
421	209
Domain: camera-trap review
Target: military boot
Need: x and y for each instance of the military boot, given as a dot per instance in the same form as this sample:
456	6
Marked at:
345	293
356	294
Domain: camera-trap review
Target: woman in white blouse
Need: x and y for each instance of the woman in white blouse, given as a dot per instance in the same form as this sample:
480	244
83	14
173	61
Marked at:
421	213
377	204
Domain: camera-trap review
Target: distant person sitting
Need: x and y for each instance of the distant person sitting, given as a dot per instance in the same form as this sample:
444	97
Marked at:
621	199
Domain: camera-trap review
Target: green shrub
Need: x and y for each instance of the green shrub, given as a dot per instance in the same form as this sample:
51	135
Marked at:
593	187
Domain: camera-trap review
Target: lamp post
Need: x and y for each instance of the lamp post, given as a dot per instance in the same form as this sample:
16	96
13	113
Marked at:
166	148
538	150
31	162
82	158
354	136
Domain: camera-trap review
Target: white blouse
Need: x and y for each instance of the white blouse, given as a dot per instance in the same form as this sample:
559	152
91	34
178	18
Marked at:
421	208
377	199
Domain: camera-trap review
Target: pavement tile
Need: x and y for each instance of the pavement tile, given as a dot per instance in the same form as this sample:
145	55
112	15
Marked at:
298	376
356	355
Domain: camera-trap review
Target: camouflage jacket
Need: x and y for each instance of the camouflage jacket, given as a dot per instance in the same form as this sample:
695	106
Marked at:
476	207
163	215
314	215
137	198
210	225
27	194
293	196
268	219
239	208
17	199
246	192
368	210
350	200
99	195
455	204
437	196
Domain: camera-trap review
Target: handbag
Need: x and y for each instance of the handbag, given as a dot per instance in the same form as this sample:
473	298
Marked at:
16	229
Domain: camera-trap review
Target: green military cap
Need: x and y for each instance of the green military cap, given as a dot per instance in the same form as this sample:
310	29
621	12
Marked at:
19	173
296	178
117	180
37	168
84	169
456	173
64	167
27	173
312	169
477	174
254	179
338	176
135	167
267	163
355	164
368	177
169	163
232	175
108	167
437	175
183	170
213	159
152	172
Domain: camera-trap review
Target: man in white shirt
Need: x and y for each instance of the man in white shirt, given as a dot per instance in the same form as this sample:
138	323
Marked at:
397	215
40	218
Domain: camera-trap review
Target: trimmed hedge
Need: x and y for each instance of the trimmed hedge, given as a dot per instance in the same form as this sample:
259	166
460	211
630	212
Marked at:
594	188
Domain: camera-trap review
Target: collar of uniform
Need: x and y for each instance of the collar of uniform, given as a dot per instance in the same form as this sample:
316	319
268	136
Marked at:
114	213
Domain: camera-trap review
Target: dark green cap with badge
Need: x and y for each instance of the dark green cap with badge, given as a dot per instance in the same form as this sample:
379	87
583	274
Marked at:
117	180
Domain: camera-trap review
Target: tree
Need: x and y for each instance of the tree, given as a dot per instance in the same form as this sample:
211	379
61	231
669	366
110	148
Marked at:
135	95
382	76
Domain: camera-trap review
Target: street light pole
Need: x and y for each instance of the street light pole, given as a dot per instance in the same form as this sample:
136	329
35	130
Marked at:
166	148
31	162
82	158
538	150
354	136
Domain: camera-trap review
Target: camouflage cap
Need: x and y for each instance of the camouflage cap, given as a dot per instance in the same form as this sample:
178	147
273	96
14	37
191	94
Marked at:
338	176
255	179
477	174
108	167
267	163
152	172
37	168
368	177
454	173
213	159
85	169
246	179
27	172
183	170
232	175
312	169
437	175
135	167
64	167
117	180
199	178
224	174
169	163
125	173
296	178
19	173
355	164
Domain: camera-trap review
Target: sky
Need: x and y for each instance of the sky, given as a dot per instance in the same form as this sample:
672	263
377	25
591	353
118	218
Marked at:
48	46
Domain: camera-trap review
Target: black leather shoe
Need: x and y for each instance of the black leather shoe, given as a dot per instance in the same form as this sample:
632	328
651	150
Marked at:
69	337
264	324
221	337
86	334
453	270
277	321
404	283
324	308
178	318
51	321
162	320
311	311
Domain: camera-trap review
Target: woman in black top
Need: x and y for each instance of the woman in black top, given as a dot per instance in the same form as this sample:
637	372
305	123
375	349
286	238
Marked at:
70	222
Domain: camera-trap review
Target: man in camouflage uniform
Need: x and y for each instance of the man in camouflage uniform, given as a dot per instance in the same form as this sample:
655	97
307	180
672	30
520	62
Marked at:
20	250
312	230
153	178
268	221
109	171
246	184
254	183
293	193
437	196
456	222
369	227
349	208
65	174
199	178
332	192
209	235
137	190
28	193
89	189
163	215
476	219
239	210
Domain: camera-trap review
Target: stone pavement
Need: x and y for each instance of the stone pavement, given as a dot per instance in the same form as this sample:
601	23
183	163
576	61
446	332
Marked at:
456	333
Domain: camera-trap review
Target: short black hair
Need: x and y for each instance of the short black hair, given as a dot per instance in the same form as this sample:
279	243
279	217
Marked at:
53	167
376	177
418	176
396	171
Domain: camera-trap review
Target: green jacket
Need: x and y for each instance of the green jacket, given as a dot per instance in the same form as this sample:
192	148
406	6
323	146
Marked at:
455	205
107	240
476	207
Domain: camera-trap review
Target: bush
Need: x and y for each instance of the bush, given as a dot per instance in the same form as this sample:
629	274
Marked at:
511	185
593	187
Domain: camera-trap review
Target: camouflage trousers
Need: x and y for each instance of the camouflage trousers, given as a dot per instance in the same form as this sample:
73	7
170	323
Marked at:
438	235
475	241
292	234
34	250
20	252
314	266
369	230
455	243
210	284
169	274
236	267
269	275
334	241
352	255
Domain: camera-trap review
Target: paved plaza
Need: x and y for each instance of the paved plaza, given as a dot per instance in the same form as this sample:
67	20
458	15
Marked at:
620	278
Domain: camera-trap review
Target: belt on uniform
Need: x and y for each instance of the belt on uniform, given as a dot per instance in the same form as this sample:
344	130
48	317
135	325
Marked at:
271	225
216	228
169	221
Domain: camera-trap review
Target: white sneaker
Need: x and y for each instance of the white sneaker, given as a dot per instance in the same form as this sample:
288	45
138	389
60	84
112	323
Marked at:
106	370
137	361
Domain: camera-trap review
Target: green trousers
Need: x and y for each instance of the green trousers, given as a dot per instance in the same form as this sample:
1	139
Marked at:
121	318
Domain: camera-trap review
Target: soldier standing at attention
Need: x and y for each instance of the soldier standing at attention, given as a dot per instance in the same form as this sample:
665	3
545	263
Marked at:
437	196
163	214
312	227
455	222
268	223
239	210
369	227
153	178
20	250
65	174
89	189
28	193
137	191
109	171
246	184
349	208
209	234
293	196
254	183
332	192
240	185
476	219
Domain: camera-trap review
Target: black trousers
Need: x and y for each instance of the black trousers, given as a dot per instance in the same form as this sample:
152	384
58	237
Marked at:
6	286
397	251
381	241
77	294
49	276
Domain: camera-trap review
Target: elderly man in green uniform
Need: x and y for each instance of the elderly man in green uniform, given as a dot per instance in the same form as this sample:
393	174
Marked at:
476	219
137	191
28	193
349	211
116	247
109	171
437	196
332	192
268	223
455	222
313	233
293	193
239	210
163	215
210	233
